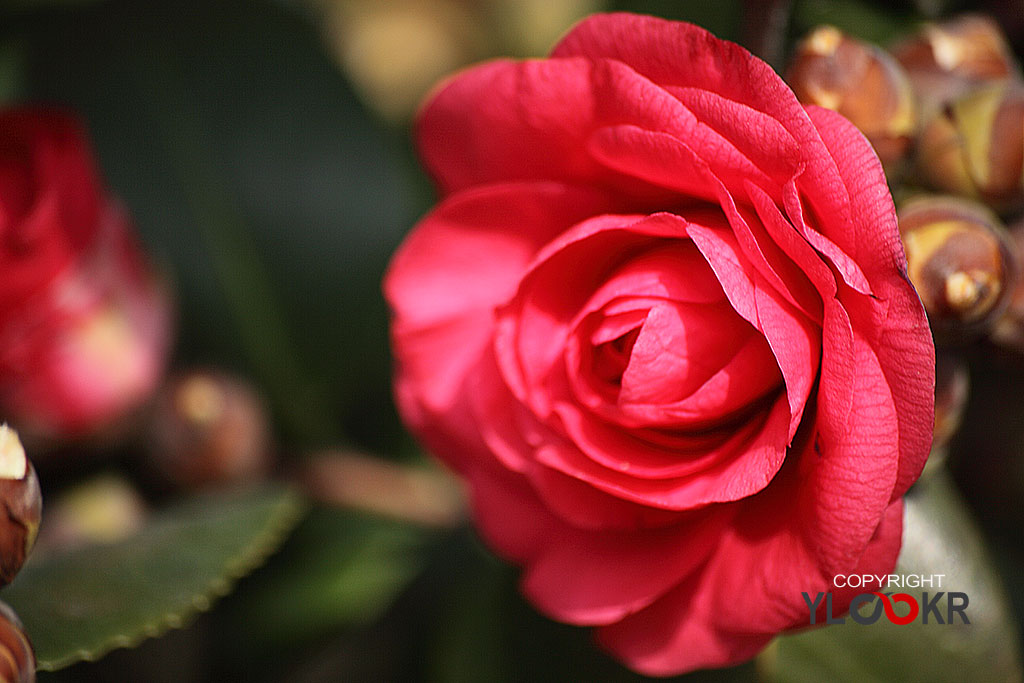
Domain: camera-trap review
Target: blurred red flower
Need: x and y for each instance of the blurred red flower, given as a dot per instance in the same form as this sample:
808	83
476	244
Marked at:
84	325
660	322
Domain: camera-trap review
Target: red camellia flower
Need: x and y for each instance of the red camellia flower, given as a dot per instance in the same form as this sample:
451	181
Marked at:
84	326
661	323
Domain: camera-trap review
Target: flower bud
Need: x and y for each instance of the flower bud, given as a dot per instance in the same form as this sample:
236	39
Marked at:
861	82
945	60
974	147
959	259
84	324
23	502
209	429
17	658
104	509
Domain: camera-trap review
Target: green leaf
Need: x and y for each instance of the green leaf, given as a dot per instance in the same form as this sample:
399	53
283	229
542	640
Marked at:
939	538
80	604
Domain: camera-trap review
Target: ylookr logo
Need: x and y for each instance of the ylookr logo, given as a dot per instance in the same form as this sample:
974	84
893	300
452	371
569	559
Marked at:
934	608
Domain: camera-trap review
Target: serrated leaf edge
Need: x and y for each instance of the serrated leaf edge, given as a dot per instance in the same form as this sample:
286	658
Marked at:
291	509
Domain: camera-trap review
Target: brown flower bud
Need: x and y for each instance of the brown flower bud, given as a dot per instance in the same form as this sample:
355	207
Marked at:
17	658
974	147
209	429
944	61
22	501
104	509
860	81
959	259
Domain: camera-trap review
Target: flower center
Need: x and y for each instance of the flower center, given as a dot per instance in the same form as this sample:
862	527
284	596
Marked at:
611	359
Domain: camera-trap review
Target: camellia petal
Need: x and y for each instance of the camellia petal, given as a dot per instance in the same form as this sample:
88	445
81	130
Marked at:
903	340
853	479
676	55
465	259
739	470
584	578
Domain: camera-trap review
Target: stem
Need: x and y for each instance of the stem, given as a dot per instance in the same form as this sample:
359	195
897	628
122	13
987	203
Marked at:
419	495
